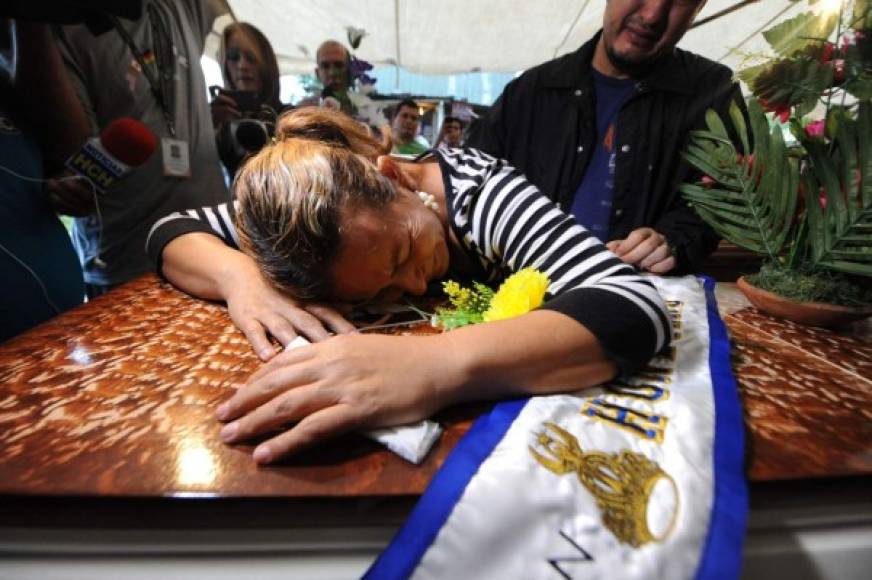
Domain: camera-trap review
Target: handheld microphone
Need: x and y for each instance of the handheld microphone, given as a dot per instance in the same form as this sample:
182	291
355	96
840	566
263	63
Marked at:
125	143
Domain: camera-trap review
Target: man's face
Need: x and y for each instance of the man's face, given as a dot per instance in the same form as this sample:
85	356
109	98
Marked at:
405	124
451	133
638	32
332	68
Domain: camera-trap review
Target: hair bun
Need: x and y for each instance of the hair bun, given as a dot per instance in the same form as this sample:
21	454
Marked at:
333	129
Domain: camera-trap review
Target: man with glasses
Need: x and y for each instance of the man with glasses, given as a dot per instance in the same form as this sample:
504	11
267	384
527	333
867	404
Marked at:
334	72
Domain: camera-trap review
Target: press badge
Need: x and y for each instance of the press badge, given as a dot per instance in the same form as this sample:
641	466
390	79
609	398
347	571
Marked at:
176	160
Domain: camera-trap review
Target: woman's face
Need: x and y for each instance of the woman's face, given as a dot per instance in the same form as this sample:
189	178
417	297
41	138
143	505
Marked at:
390	252
244	62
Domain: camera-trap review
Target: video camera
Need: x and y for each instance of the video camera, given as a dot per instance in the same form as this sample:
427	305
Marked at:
248	134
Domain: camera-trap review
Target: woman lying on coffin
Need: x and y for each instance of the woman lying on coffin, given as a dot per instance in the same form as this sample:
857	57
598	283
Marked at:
322	216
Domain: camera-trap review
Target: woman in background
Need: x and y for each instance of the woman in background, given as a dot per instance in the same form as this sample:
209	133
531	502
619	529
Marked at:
251	75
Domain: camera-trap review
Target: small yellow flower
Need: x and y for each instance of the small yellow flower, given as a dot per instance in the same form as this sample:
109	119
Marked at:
519	294
450	287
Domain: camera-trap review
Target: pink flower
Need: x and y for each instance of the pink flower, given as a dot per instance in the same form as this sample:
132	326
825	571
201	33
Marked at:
822	198
851	38
827	51
815	129
707	181
839	70
781	110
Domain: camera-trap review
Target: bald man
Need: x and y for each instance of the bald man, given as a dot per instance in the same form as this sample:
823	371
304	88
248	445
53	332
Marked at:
333	70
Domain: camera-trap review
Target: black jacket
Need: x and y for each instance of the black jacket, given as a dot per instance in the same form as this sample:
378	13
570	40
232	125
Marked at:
544	123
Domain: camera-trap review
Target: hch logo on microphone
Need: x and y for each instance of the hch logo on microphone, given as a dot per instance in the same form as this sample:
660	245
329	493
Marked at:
97	165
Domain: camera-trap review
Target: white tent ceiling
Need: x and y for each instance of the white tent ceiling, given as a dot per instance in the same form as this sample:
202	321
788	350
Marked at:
458	36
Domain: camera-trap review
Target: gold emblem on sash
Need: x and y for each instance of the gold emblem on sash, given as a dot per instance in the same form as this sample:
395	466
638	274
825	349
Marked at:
622	483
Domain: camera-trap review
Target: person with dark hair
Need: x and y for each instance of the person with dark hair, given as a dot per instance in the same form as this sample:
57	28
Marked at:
601	130
249	63
451	133
251	76
324	215
404	129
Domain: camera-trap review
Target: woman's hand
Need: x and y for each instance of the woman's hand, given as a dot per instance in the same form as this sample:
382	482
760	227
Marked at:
257	309
339	385
200	264
223	109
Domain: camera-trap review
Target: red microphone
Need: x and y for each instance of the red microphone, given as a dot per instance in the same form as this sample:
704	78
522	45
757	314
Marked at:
123	144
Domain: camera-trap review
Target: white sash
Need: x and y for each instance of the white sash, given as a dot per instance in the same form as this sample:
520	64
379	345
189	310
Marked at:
642	478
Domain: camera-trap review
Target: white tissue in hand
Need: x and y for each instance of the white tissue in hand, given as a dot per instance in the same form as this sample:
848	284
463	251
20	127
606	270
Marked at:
411	442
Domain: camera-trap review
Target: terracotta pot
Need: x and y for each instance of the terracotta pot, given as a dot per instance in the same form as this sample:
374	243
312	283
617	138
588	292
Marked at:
808	313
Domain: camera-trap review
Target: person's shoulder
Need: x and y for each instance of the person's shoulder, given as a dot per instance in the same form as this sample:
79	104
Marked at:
557	71
466	157
310	101
701	68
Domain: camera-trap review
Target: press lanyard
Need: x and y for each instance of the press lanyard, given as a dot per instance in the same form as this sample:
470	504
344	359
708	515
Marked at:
161	81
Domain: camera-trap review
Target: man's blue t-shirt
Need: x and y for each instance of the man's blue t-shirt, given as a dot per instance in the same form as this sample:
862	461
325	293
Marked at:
592	204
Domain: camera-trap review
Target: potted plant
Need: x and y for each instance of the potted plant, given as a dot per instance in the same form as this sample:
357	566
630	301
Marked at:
792	180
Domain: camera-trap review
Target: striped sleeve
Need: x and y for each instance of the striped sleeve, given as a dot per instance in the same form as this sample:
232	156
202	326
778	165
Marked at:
512	225
216	220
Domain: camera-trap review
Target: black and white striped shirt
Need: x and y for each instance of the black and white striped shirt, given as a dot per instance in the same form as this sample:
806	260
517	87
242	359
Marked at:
506	224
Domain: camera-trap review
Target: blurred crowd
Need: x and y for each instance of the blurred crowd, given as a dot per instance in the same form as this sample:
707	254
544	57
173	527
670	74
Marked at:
599	133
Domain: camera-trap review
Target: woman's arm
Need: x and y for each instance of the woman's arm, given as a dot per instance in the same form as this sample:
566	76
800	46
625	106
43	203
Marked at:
542	352
365	381
201	264
510	225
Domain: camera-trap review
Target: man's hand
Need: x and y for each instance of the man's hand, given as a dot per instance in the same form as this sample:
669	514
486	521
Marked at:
333	387
645	249
71	195
257	309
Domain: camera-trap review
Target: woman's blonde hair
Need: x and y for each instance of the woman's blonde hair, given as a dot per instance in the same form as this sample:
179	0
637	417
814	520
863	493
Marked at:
291	195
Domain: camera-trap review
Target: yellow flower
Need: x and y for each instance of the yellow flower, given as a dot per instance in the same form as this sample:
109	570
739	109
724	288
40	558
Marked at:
460	297
519	294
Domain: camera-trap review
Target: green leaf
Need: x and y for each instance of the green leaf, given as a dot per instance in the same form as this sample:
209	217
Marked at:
794	81
864	146
848	267
841	235
749	75
797	33
752	204
861	17
738	120
860	86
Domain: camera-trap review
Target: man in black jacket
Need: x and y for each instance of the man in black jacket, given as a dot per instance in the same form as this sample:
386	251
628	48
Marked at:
600	130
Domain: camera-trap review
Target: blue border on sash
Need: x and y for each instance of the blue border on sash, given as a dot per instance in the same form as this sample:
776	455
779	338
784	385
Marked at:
408	546
722	555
